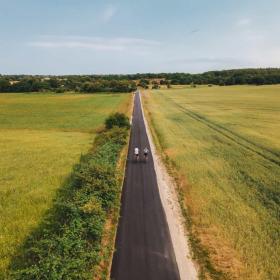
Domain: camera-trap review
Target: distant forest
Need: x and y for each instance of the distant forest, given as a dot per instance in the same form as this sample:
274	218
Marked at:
130	82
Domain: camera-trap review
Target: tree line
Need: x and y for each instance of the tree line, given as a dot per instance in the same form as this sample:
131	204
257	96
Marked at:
128	83
61	84
260	76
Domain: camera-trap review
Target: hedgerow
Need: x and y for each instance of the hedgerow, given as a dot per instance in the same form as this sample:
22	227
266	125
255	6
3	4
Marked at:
67	243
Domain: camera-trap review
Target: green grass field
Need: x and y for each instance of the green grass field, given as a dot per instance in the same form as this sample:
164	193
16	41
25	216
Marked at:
41	137
224	145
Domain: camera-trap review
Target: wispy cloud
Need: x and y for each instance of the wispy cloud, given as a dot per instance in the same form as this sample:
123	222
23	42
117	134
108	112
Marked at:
108	13
94	43
243	22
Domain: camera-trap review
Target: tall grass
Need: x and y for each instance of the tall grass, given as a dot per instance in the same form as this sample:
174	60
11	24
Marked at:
223	145
41	138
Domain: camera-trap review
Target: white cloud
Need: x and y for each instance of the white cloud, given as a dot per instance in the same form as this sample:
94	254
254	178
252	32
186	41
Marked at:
243	22
108	13
95	43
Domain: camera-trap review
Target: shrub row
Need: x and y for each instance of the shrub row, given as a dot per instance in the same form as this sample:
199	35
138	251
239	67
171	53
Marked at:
67	243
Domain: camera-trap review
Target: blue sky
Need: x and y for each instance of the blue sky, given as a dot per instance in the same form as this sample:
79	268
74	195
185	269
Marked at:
130	36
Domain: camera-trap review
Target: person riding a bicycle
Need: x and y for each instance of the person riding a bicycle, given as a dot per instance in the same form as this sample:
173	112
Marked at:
146	151
136	153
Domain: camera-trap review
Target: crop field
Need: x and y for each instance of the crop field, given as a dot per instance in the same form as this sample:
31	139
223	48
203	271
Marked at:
223	146
41	137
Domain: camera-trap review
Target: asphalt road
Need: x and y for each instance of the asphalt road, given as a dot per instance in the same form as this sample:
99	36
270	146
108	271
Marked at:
143	245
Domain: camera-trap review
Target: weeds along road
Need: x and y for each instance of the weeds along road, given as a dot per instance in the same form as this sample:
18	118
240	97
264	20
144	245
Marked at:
143	245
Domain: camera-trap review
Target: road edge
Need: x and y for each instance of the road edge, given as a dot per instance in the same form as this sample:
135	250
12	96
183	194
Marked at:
174	216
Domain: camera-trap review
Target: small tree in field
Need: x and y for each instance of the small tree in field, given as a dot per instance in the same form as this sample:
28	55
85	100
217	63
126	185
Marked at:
117	119
155	85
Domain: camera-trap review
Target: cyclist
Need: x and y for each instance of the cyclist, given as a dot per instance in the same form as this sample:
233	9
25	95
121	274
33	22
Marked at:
136	153
146	151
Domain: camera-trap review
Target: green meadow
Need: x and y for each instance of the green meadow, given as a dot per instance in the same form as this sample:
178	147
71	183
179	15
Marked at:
41	137
223	146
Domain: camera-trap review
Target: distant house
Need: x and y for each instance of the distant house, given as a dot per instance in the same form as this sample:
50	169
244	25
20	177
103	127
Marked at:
13	82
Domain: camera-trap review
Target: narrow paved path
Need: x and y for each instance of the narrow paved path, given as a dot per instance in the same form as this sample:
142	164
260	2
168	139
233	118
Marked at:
143	246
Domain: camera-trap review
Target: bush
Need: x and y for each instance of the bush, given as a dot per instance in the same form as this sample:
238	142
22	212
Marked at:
155	86
60	90
117	119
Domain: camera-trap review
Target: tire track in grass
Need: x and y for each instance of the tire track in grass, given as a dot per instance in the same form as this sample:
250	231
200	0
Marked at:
236	138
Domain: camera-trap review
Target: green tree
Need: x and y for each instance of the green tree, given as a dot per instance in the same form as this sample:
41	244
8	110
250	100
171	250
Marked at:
117	119
4	85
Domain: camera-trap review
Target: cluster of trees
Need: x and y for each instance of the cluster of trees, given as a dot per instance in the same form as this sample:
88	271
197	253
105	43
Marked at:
226	77
108	86
62	84
229	77
128	83
144	83
257	76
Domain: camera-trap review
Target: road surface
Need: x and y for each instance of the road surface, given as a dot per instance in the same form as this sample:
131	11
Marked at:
143	245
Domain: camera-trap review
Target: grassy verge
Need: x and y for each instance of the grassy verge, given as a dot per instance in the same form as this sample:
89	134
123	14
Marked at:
67	243
222	146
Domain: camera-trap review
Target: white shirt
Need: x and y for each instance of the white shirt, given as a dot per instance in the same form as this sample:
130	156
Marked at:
136	151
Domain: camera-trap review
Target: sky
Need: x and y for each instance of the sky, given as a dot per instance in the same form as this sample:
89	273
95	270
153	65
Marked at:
133	36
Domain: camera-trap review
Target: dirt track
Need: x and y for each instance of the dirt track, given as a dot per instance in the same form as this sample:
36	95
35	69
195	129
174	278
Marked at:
143	245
